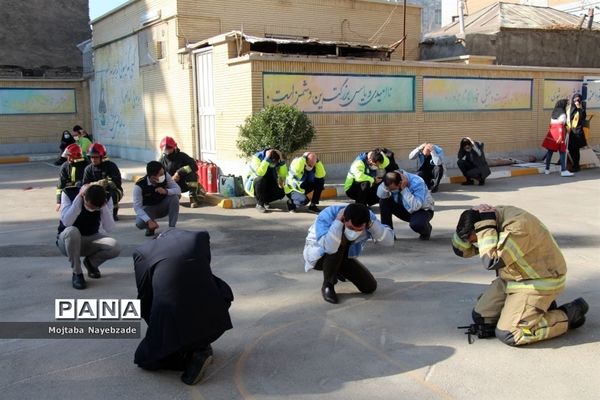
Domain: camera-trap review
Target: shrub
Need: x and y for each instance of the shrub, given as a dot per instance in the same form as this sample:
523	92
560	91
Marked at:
282	127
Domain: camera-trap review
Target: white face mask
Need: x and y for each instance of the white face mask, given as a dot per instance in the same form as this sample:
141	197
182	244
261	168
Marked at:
308	168
161	178
351	235
66	136
373	167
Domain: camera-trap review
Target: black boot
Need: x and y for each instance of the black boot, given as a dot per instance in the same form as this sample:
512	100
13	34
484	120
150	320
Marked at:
329	294
115	212
196	366
575	311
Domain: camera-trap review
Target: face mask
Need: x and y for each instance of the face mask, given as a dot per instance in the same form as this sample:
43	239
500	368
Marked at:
373	167
66	136
76	138
351	235
161	178
272	165
308	168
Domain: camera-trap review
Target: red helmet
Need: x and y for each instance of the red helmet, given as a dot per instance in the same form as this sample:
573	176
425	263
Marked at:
168	141
97	149
72	151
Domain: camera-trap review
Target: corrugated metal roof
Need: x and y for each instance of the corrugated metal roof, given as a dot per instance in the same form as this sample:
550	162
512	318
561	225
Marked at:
257	39
500	15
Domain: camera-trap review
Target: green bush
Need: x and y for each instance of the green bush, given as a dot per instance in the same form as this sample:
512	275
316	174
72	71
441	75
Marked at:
282	127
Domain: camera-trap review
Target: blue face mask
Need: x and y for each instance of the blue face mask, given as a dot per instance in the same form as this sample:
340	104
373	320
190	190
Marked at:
351	235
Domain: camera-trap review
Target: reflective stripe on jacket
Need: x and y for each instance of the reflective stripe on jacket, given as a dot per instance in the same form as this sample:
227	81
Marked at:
521	249
297	174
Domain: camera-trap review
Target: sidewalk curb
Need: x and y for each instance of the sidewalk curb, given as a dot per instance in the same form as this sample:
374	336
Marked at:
25	159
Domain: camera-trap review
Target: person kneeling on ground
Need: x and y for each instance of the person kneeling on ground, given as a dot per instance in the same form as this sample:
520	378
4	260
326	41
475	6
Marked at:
183	169
265	179
106	173
430	164
520	302
83	212
471	161
183	303
306	175
155	195
334	242
406	196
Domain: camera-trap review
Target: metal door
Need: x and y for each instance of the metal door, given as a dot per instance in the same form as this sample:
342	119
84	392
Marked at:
205	101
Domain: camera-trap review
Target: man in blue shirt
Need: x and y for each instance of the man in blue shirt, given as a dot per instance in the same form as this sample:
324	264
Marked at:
406	196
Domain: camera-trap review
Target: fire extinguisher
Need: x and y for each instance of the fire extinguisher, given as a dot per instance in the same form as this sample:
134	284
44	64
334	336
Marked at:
211	177
203	179
200	164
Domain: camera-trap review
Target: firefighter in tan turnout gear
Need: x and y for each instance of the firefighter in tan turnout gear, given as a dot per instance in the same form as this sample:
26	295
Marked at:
530	270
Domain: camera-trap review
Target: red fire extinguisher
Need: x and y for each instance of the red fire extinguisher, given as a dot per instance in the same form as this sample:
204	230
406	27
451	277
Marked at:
211	177
199	164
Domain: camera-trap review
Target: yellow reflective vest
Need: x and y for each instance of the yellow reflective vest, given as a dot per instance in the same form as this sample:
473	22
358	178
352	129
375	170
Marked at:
297	174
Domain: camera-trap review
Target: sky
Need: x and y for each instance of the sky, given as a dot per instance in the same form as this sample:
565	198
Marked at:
101	7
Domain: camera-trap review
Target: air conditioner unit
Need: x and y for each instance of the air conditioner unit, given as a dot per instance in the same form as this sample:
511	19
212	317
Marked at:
149	17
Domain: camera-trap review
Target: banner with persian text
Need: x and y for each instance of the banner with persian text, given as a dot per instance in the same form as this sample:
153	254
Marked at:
318	93
476	94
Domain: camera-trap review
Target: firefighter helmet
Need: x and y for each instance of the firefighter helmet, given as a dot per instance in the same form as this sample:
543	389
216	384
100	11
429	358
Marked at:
168	141
97	149
72	151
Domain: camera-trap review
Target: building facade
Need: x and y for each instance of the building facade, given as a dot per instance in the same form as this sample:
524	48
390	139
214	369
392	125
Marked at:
42	91
156	81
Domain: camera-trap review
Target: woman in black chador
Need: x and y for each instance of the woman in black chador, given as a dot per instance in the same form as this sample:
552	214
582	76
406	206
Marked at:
184	304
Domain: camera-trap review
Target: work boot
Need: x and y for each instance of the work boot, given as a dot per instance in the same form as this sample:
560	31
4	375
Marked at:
468	182
291	206
329	294
314	208
196	367
79	282
575	311
426	236
93	272
481	181
194	202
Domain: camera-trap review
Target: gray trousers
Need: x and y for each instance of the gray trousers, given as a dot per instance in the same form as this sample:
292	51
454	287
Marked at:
97	248
168	206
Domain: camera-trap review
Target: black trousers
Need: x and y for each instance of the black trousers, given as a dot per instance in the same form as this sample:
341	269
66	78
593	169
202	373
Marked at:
469	170
363	193
315	187
353	270
418	221
266	189
576	142
431	174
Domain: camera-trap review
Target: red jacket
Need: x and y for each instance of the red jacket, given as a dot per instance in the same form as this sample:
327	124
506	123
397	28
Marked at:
555	139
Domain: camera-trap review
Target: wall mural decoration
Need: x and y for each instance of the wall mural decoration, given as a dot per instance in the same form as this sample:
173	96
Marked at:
318	93
556	89
116	92
476	94
14	101
593	93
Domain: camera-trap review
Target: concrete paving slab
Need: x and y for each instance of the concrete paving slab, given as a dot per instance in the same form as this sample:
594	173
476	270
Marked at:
401	342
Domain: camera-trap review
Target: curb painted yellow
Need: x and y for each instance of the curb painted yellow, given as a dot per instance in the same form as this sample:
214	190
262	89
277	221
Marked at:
329	193
14	159
524	171
225	203
457	179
